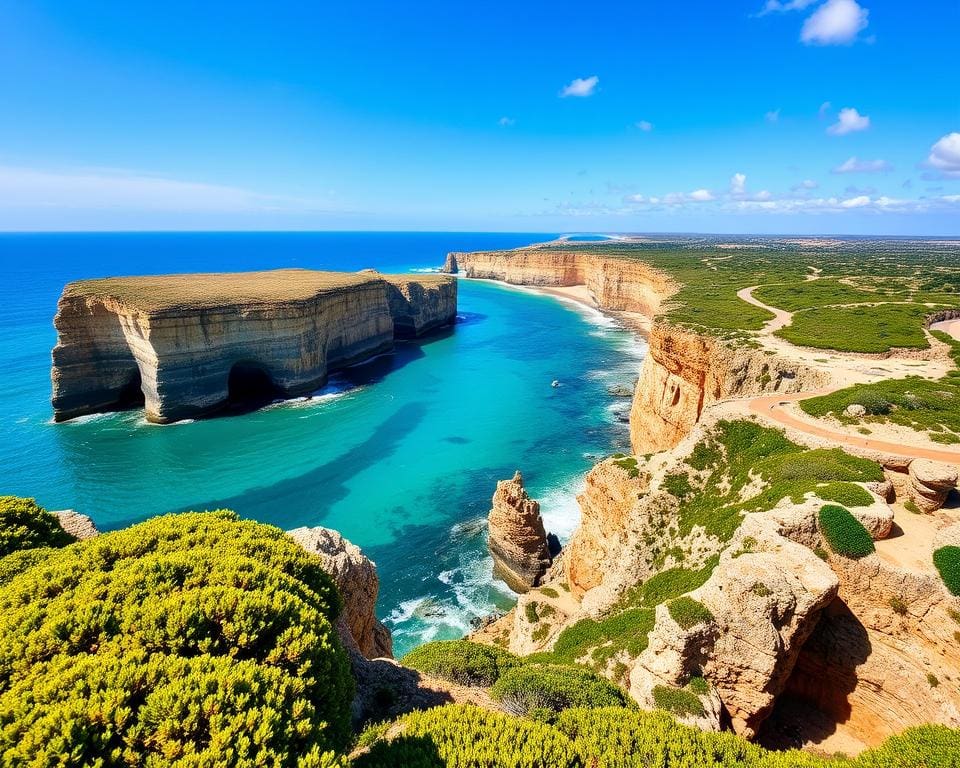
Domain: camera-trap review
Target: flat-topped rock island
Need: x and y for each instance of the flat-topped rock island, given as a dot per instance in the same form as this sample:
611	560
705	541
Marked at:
188	345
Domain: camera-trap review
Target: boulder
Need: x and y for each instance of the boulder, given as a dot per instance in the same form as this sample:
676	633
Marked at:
765	597
930	483
356	578
855	411
517	539
78	525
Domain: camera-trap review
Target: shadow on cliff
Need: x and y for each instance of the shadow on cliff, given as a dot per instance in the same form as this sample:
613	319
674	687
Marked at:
290	501
816	700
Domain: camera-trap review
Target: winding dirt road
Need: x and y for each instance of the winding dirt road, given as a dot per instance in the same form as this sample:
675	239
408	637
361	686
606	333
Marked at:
773	407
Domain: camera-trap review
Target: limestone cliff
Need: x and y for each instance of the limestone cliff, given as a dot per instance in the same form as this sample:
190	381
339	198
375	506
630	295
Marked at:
356	578
174	342
683	371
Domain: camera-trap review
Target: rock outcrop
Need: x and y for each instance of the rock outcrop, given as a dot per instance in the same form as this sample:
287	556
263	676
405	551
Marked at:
765	598
78	525
931	483
356	578
517	539
183	345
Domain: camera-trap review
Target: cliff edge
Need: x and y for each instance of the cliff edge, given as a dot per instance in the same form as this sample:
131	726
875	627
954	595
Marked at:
185	345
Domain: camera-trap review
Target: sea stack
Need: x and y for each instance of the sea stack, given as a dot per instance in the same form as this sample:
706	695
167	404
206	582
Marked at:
184	346
517	539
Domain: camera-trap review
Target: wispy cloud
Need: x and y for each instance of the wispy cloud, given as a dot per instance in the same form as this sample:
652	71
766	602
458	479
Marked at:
805	184
644	125
945	156
107	189
779	6
855	165
824	109
581	87
849	121
506	122
773	116
836	22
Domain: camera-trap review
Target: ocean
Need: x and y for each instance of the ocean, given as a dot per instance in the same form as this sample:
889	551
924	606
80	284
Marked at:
400	454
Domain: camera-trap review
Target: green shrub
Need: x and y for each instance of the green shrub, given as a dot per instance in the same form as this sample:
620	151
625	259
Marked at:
926	746
19	561
677	484
678	701
188	639
760	589
688	613
461	661
551	688
844	533
898	606
530	611
947	562
462	736
25	525
629	465
845	494
698	685
910	506
550	592
625	631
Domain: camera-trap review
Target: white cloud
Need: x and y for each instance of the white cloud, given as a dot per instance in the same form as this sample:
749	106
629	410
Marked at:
581	86
849	121
645	126
108	189
772	116
506	121
738	184
855	165
701	195
836	22
805	184
778	6
672	198
945	155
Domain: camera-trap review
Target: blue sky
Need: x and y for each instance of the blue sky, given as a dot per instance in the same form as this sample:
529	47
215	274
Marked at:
792	116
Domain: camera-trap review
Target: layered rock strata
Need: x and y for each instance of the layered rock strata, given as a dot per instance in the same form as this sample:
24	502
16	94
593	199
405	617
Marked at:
181	344
683	371
517	539
78	525
356	578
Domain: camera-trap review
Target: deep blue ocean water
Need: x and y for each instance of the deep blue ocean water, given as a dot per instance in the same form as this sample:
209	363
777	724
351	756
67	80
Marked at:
401	454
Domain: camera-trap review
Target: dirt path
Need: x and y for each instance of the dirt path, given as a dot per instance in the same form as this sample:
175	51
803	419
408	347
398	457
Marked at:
781	318
770	407
948	326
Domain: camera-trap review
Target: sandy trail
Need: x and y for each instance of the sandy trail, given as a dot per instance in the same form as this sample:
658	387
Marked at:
948	326
771	407
782	317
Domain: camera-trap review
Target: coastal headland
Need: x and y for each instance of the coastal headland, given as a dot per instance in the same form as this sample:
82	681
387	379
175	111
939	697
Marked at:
787	385
184	346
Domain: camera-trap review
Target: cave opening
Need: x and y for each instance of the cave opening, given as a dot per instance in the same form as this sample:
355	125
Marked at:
130	395
250	386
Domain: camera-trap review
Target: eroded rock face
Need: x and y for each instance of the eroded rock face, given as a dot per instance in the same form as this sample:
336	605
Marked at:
517	539
172	343
76	524
930	483
684	372
356	578
765	596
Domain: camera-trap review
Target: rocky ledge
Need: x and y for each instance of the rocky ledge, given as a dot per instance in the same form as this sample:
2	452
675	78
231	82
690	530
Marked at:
186	345
517	539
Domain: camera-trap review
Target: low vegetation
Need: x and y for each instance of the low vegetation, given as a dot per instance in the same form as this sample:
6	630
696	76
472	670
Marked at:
461	661
947	562
688	612
845	494
544	690
677	701
25	525
868	329
844	533
193	639
459	736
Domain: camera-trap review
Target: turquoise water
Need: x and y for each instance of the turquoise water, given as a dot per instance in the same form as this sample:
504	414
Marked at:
401	454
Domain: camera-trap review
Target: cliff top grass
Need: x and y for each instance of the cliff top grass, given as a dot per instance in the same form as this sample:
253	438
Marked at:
867	296
209	290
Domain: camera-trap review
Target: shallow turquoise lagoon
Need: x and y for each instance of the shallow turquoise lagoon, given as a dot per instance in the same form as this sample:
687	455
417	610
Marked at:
400	454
